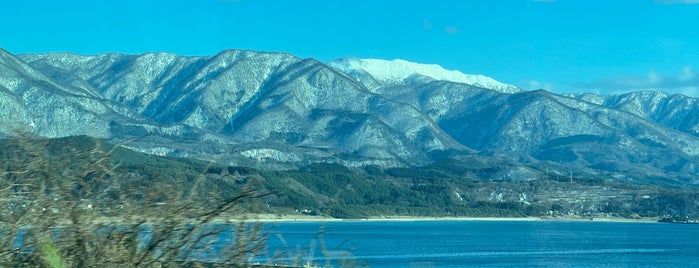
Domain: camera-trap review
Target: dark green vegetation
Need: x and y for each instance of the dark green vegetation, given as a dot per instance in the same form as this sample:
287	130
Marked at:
444	188
454	188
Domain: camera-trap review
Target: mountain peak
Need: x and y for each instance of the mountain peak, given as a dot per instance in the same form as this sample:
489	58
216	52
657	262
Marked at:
388	72
278	111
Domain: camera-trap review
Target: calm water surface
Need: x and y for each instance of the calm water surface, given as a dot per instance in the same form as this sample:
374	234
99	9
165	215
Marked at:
491	243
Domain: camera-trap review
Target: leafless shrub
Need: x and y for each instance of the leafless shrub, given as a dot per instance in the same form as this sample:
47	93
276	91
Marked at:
72	208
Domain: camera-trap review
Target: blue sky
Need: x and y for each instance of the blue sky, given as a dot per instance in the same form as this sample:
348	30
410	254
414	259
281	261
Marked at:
606	47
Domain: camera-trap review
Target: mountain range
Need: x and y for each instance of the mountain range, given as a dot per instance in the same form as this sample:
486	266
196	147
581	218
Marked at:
276	110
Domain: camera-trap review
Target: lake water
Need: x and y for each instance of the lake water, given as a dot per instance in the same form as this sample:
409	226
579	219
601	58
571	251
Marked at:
490	243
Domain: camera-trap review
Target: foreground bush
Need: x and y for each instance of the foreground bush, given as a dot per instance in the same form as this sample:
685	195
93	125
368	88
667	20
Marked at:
66	204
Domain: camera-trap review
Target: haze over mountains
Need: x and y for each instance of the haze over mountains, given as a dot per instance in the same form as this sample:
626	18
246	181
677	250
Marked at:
279	111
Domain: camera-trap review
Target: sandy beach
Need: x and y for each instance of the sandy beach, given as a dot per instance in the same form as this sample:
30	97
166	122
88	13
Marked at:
309	218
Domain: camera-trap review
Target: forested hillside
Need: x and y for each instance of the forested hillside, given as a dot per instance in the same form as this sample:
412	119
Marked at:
444	188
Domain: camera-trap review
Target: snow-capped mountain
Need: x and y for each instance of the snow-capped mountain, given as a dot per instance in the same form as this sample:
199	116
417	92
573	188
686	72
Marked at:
270	107
277	110
382	73
675	111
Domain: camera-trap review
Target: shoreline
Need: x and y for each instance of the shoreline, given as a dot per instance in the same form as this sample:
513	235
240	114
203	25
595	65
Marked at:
270	218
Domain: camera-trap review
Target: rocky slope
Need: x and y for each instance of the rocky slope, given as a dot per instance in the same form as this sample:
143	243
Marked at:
280	111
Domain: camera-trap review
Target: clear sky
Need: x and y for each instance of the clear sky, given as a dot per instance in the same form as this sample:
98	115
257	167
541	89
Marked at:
603	46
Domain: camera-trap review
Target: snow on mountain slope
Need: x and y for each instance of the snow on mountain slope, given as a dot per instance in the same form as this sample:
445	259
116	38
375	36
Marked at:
675	111
279	111
393	72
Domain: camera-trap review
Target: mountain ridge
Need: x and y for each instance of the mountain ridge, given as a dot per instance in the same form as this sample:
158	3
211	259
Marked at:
276	110
385	72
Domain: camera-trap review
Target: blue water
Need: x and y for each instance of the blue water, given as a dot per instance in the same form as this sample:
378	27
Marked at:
489	243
